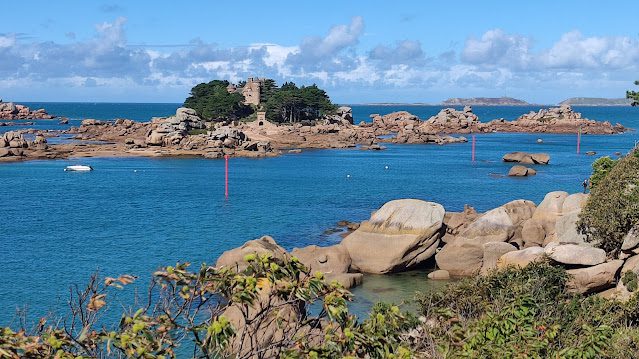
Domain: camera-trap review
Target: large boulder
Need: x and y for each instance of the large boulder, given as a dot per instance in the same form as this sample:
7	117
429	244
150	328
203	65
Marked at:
269	319
461	259
155	139
333	261
519	210
593	279
456	222
631	239
547	213
400	235
623	290
532	233
521	171
574	202
521	258
439	274
527	158
234	258
492	252
493	226
566	229
574	254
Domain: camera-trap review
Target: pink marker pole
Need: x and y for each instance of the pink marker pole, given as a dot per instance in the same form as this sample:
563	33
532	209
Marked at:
473	149
578	140
226	176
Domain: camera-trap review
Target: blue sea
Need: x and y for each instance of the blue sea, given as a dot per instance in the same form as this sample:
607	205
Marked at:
133	215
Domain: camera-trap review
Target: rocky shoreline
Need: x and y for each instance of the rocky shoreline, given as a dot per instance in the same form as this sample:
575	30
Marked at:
186	134
404	234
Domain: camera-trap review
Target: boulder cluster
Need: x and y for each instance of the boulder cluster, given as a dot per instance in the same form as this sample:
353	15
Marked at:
11	111
405	233
405	127
214	140
525	158
564	112
172	130
555	120
13	144
451	120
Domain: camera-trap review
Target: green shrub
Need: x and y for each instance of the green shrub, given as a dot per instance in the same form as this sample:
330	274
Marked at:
629	280
613	207
525	313
600	169
198	132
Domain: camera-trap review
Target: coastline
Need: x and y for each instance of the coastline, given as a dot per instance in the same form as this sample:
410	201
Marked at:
187	135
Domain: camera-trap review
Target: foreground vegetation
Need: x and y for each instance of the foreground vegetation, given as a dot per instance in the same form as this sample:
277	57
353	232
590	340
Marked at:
265	312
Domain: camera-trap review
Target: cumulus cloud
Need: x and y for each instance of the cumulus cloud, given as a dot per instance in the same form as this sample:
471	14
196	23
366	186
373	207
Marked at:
322	52
495	47
403	52
574	51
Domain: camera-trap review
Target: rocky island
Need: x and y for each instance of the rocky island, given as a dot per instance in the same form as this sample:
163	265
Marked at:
12	111
485	101
596	101
187	134
260	119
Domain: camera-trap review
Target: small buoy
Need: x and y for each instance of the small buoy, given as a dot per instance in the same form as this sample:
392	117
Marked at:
385	167
135	170
348	176
539	140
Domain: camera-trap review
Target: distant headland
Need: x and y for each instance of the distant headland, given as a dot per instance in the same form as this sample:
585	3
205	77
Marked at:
596	101
485	101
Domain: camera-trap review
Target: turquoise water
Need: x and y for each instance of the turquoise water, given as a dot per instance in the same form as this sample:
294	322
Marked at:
133	215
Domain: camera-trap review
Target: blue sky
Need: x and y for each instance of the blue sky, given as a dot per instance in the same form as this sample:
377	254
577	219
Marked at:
360	51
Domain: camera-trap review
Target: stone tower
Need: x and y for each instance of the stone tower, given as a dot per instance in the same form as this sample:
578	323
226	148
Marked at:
252	91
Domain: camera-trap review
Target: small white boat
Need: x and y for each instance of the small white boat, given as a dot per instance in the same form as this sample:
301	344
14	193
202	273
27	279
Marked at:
78	168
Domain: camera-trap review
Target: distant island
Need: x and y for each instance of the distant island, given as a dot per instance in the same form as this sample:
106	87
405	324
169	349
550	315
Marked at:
596	101
485	101
391	104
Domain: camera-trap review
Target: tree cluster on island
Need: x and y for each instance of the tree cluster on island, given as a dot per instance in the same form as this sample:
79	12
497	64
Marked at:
288	103
633	95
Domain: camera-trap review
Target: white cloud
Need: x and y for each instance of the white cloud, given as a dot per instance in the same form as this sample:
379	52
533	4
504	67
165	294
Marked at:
7	40
498	48
574	51
403	52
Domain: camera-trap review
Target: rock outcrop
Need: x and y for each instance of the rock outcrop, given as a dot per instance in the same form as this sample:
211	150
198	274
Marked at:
464	253
527	158
520	258
11	111
234	258
450	120
593	279
398	236
574	254
333	261
521	171
555	120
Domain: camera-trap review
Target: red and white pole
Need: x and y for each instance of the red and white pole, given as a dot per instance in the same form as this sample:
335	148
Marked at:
226	176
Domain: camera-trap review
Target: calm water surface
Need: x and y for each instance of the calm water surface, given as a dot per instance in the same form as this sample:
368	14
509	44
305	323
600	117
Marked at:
133	215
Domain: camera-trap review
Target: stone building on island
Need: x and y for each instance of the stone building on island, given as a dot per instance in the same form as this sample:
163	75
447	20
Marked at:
252	90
